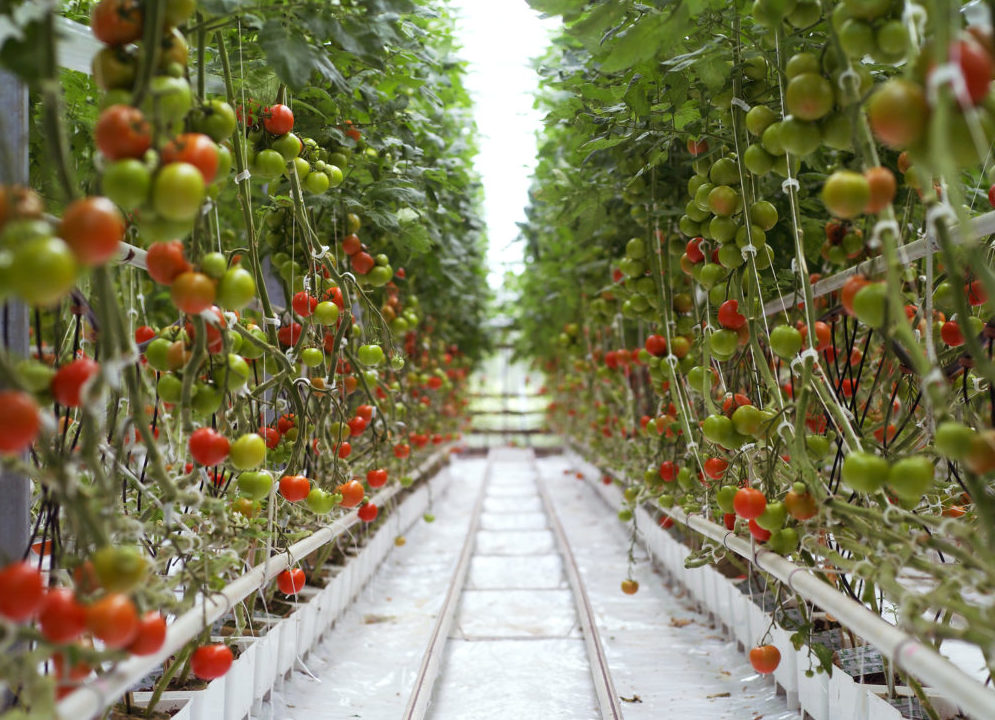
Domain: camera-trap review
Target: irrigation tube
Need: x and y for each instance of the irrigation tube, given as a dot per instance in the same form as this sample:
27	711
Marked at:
981	226
93	698
917	659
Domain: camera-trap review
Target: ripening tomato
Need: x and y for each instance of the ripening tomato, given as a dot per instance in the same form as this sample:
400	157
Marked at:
21	591
850	288
196	149
69	379
376	478
697	147
93	228
208	446
151	634
352	493
19	421
60	616
367	512
294	487
898	112
165	261
117	22
192	292
765	658
114	620
291	581
209	662
122	132
402	450
883	186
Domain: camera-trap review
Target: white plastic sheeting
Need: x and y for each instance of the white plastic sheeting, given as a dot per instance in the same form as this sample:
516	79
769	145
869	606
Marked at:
516	649
366	665
666	659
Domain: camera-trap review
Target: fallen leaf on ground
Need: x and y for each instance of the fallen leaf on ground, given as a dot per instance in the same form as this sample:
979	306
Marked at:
680	622
716	695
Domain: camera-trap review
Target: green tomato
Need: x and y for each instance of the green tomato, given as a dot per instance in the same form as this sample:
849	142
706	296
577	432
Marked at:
327	313
371	355
42	270
289	146
156	354
783	541
170	96
718	429
870	304
255	485
865	472
312	357
723	344
126	182
207	399
747	419
785	341
380	275
34	375
335	176
953	440
250	350
773	516
236	289
316	183
817	446
268	164
248	451
724	498
215	118
213	264
911	477
170	388
235	375
120	569
177	192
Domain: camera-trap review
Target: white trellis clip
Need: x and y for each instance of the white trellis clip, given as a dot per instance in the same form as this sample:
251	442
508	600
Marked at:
790	183
741	104
275	321
846	75
748	250
941	74
804	355
243	176
880	227
785	424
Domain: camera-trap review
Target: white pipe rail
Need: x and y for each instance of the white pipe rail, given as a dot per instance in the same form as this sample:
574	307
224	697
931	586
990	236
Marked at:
981	226
94	697
919	660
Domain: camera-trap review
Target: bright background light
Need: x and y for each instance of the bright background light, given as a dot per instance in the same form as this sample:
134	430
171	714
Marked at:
500	40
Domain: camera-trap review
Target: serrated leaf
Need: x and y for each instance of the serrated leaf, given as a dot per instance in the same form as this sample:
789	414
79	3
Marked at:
640	42
290	56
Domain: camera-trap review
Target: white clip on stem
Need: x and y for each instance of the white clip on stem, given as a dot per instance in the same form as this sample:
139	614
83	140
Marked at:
880	227
740	103
748	250
275	321
243	176
671	360
230	317
976	382
206	207
790	183
947	72
785	425
209	317
937	211
846	75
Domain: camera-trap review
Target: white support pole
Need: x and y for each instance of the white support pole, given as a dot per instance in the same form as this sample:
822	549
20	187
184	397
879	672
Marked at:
15	509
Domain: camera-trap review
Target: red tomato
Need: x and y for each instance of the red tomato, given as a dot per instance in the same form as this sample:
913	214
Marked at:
289	334
278	119
304	304
94	228
729	315
21	591
294	487
356	426
668	471
765	658
122	132
345	450
291	581
271	436
209	662
749	503
151	634
208	446
376	478
117	22
165	261
976	294
951	334
351	244
715	467
68	381
759	534
368	512
60	617
114	620
362	263
285	422
144	333
656	345
335	295
402	450
19	421
697	147
195	148
352	493
365	412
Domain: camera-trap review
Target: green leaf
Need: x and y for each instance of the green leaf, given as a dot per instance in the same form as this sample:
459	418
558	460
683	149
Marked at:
289	55
640	42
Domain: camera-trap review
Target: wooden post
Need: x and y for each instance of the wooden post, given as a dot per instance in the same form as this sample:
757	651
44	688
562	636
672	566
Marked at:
15	507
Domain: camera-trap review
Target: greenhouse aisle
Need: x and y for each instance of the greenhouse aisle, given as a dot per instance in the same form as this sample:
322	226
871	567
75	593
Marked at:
516	648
